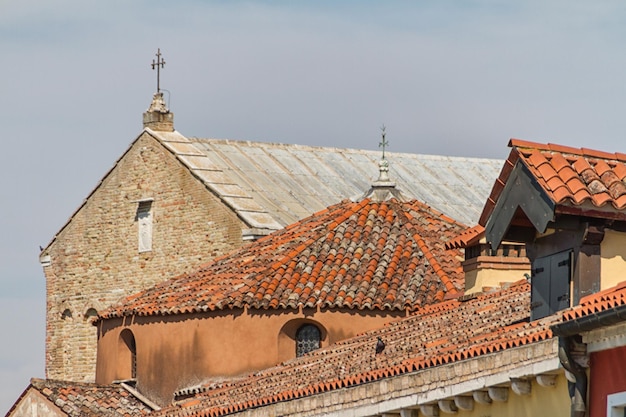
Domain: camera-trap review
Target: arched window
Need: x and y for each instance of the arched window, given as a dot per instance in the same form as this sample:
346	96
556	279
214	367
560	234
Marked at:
67	314
127	355
91	315
308	338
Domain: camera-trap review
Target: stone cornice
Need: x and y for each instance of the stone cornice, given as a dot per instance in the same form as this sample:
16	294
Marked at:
425	387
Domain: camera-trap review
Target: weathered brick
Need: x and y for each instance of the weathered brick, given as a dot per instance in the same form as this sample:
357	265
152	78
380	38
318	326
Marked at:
94	260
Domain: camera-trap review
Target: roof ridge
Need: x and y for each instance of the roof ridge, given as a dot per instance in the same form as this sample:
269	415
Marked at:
447	282
563	149
466	237
343	216
258	143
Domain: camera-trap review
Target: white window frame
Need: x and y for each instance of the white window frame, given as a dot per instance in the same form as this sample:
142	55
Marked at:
616	404
144	216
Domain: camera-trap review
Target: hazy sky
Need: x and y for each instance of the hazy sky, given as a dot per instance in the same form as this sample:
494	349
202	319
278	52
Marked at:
445	77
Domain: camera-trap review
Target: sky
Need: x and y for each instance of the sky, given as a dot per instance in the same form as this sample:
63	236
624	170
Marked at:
445	77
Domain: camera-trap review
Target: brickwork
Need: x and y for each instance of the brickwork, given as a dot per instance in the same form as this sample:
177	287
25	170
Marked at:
94	260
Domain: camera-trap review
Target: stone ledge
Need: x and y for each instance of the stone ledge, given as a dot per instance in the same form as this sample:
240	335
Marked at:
417	388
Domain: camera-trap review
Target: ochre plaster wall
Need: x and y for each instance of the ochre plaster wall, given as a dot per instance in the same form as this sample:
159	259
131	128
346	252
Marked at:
94	260
478	280
175	352
613	258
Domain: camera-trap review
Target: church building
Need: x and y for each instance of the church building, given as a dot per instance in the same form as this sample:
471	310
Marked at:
206	277
171	203
349	268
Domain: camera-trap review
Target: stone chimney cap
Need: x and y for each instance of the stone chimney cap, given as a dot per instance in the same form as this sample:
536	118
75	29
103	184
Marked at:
158	104
158	117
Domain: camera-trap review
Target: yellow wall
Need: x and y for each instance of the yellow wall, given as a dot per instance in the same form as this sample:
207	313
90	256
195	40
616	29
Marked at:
542	401
477	279
493	271
613	259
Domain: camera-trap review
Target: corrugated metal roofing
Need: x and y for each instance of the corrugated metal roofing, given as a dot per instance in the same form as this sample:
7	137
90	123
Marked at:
272	185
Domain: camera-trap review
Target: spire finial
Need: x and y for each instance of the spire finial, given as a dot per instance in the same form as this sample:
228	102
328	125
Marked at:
158	117
384	142
383	164
158	64
383	188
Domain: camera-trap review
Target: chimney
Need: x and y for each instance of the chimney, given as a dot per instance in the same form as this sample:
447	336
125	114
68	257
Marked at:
158	117
487	269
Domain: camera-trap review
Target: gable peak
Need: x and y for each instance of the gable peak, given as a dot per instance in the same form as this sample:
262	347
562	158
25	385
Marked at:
158	117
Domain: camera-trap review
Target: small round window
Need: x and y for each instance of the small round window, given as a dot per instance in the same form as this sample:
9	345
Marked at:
308	338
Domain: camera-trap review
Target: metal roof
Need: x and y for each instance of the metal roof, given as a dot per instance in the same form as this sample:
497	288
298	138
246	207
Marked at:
272	185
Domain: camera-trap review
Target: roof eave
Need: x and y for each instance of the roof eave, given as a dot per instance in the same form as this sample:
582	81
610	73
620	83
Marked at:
590	322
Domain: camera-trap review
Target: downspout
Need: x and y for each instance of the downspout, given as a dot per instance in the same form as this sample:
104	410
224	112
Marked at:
578	389
569	333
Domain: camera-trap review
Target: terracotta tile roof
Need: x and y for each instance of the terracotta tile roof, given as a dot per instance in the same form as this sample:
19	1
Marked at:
78	399
569	176
439	334
360	255
466	238
598	302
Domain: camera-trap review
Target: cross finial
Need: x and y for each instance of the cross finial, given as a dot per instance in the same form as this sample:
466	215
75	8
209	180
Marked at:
158	64
384	142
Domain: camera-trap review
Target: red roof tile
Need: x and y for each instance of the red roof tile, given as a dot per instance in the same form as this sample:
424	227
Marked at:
362	255
78	399
439	334
466	238
598	302
568	176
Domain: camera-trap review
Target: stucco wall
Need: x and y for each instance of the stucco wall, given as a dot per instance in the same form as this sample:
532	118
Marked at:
175	352
613	258
94	261
492	271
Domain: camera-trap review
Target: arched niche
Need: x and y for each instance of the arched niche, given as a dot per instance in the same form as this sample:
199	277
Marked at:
90	315
126	356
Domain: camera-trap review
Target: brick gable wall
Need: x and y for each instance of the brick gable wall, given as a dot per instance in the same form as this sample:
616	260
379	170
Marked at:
94	260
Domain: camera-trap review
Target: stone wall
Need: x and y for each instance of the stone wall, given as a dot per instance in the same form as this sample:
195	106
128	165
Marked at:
94	261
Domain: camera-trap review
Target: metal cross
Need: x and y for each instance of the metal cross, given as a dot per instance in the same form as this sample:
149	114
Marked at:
384	143
158	64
